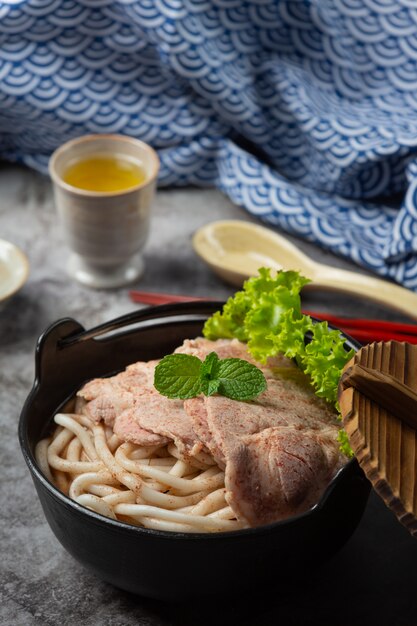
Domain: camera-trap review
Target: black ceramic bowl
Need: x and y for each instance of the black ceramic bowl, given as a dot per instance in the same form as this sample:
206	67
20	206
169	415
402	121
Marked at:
169	565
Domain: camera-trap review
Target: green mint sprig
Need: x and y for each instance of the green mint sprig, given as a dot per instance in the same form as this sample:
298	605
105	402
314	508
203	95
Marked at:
184	376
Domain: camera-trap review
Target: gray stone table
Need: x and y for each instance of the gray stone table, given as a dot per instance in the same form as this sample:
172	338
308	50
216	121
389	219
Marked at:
372	580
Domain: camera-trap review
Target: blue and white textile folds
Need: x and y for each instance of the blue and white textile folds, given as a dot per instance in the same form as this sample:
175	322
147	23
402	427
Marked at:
302	111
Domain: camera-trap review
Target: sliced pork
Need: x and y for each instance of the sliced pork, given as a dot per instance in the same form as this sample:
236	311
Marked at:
106	398
218	421
164	417
137	412
279	451
277	473
127	428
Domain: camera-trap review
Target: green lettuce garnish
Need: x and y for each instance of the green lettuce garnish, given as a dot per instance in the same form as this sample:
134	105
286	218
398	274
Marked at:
267	315
344	447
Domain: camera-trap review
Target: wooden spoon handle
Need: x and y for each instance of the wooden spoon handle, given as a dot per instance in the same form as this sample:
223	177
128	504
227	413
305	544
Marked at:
381	291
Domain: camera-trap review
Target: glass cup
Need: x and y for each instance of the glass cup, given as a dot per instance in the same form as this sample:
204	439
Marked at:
105	230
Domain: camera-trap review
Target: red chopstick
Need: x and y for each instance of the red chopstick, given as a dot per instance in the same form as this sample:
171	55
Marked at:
366	324
148	297
368	336
364	330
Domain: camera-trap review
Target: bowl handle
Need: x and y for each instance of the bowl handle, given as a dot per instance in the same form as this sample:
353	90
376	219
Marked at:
66	345
177	309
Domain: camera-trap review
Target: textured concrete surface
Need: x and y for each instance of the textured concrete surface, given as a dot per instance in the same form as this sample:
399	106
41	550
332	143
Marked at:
370	580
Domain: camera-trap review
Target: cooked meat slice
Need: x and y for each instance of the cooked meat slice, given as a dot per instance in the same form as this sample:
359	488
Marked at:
130	403
224	348
138	377
218	421
127	428
279	450
95	388
106	398
275	474
327	438
196	410
167	417
108	405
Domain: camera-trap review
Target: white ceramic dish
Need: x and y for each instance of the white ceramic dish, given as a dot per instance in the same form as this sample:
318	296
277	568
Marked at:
14	270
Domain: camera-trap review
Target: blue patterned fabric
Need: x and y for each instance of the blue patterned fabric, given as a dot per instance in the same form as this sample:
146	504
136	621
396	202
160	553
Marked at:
302	111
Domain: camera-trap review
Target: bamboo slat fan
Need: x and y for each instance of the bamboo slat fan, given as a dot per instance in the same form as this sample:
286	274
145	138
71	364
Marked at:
378	401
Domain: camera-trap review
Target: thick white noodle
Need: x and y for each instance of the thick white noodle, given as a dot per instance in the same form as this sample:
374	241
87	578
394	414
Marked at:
96	504
41	456
74	467
149	486
212	502
203	523
80	432
181	468
83	482
182	485
201	460
103	491
74	450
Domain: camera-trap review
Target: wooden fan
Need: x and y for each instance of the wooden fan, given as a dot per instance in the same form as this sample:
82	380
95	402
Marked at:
378	401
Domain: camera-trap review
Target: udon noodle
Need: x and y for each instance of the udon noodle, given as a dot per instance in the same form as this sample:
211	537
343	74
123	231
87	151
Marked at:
150	487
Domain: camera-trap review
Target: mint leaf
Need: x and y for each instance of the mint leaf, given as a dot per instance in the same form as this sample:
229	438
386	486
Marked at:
178	376
209	387
234	378
240	380
185	376
209	374
210	366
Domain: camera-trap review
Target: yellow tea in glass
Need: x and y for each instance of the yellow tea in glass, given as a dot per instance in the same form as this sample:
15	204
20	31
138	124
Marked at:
104	173
103	187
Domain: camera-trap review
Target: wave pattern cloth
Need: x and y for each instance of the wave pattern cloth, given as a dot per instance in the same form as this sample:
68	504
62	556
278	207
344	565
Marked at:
299	110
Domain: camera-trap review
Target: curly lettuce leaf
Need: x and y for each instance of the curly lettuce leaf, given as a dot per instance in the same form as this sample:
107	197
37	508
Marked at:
267	315
344	443
290	340
252	314
229	323
323	360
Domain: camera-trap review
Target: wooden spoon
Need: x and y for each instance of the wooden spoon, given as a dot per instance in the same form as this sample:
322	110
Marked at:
235	250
